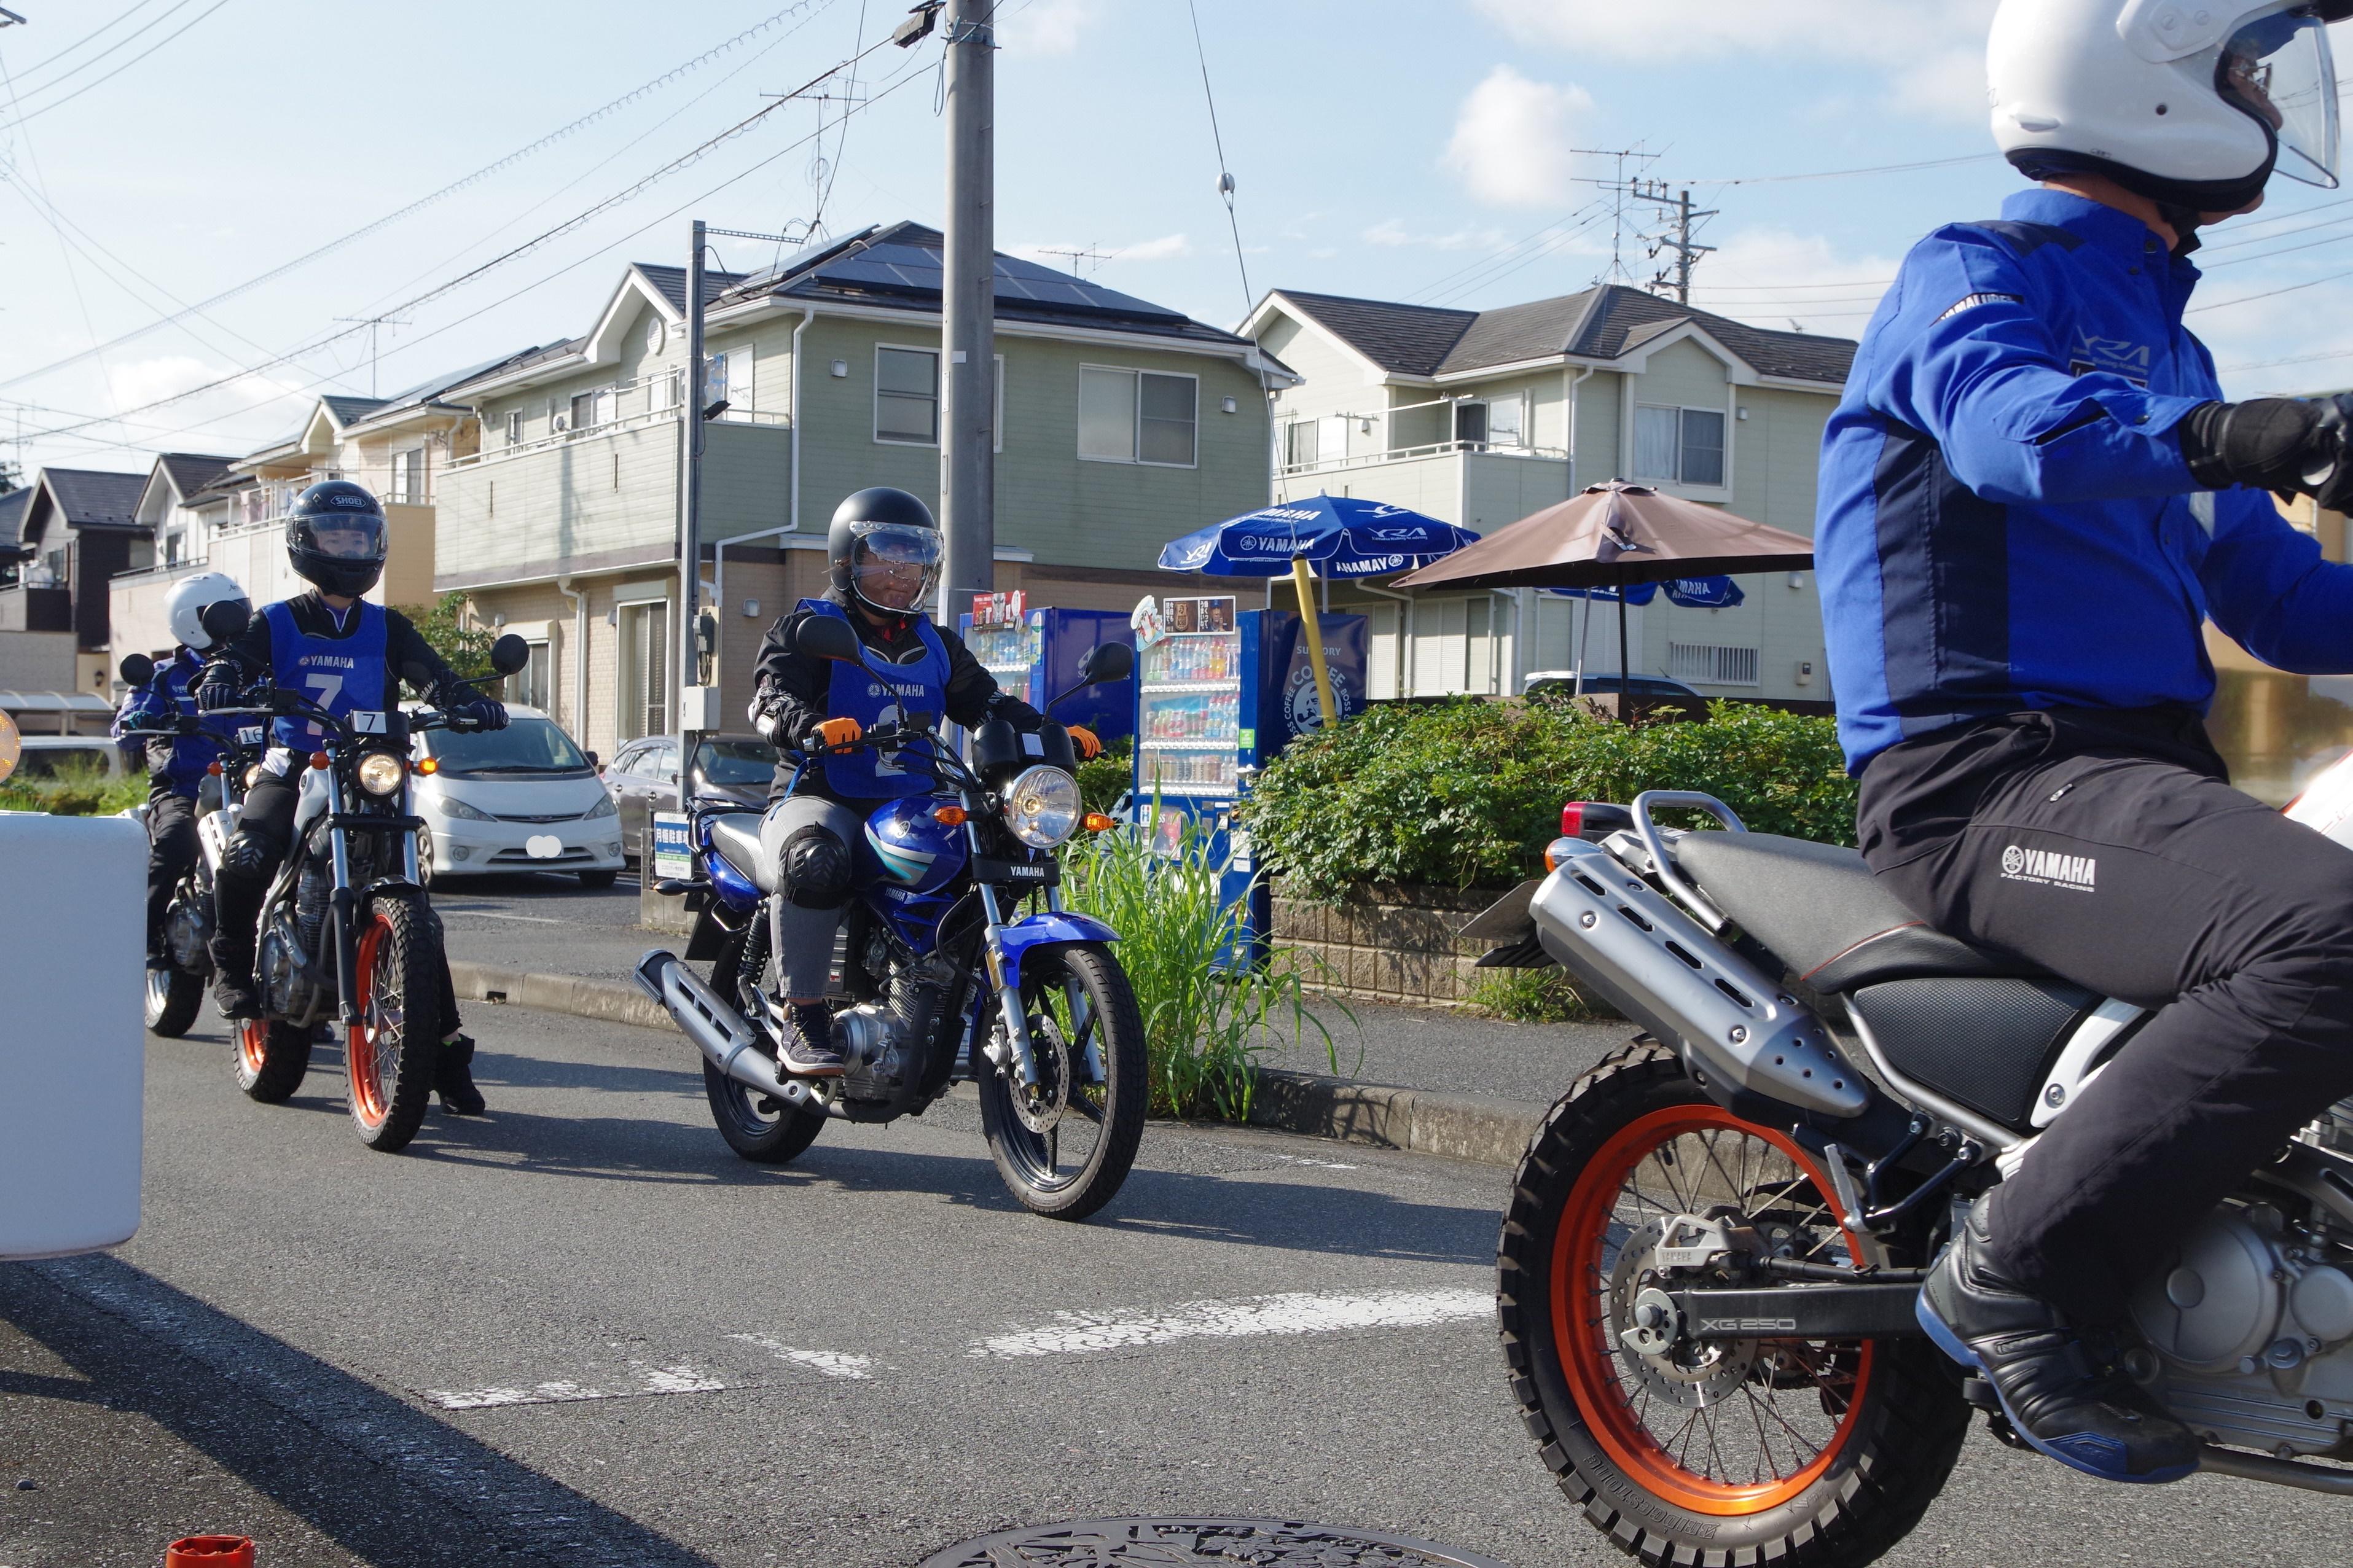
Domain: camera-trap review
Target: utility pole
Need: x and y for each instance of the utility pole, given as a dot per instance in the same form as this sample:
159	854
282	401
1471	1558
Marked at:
1676	239
968	306
689	684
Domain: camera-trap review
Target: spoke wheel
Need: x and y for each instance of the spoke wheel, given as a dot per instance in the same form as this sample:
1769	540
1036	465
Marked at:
1806	1451
389	1056
271	1060
1065	1147
174	998
757	1127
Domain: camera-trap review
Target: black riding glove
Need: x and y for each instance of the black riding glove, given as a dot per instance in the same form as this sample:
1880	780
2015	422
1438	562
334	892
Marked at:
2290	445
481	713
217	690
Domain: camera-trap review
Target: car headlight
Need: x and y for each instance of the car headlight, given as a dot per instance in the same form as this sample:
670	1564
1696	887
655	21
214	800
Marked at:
604	808
1043	808
457	810
381	772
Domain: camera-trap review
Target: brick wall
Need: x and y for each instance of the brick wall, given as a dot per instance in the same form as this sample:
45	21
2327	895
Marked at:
1386	943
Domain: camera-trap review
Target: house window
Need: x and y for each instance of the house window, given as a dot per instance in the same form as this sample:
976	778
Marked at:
172	544
514	427
529	686
1507	421
1138	416
645	670
1471	424
590	409
408	476
1684	444
1299	444
666	388
907	396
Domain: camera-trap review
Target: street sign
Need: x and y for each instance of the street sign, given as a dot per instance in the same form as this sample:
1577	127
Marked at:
673	853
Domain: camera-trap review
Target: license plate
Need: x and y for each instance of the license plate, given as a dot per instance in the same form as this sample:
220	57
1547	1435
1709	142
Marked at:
542	846
249	736
367	723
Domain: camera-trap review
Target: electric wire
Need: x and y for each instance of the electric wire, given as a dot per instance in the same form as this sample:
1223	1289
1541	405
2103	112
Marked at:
60	102
114	21
1225	174
72	71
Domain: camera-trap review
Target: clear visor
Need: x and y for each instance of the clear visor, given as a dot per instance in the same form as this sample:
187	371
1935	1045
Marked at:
895	567
2278	69
347	539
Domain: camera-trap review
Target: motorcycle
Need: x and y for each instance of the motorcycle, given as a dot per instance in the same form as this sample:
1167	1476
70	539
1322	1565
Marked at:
1709	1267
346	933
940	980
174	995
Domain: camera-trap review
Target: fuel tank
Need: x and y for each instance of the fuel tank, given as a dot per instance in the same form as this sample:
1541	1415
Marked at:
912	848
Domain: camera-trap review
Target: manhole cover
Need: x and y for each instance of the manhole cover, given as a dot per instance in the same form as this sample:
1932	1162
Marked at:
1200	1543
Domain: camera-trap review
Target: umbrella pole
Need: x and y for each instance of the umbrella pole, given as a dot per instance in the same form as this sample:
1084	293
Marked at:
1584	634
1625	670
1313	625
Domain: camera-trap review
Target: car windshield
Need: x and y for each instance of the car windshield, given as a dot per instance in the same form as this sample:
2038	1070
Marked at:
735	761
524	746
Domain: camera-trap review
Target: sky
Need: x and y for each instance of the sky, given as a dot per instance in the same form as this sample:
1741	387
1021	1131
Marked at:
159	154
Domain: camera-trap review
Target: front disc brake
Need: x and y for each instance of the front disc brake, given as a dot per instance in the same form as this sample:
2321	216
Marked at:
1040	1110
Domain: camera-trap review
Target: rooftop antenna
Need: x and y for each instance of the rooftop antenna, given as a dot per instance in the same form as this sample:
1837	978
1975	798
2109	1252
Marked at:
372	323
1077	254
1620	188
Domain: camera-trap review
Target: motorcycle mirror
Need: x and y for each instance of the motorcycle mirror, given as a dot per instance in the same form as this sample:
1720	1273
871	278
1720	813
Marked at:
825	637
1107	661
137	669
225	620
509	654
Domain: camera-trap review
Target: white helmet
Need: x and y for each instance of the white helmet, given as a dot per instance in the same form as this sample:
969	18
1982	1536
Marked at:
2188	103
186	605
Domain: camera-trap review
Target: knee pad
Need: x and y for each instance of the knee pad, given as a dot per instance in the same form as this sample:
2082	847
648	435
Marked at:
251	854
813	869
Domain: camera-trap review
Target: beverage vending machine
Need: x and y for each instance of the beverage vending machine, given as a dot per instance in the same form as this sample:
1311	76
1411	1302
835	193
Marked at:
1035	654
1219	694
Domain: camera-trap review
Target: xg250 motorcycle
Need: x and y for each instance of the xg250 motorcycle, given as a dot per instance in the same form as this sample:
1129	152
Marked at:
1714	1242
346	931
941	980
174	995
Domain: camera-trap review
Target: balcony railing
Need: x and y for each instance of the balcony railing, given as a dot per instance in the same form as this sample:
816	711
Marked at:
1433	449
615	425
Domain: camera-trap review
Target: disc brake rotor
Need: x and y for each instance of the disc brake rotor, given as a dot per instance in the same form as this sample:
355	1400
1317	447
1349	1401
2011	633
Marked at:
1040	1110
1686	1372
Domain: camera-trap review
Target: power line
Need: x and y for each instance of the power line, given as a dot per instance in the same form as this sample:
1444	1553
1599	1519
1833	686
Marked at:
1225	176
109	75
114	21
1845	173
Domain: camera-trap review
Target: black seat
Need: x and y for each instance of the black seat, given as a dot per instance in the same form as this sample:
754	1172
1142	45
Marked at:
1823	912
736	837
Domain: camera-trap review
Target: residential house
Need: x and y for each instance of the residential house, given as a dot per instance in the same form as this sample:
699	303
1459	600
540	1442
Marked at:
30	661
1481	417
76	530
1121	425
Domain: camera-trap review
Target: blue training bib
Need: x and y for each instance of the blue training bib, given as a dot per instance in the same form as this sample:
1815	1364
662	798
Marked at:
885	695
343	675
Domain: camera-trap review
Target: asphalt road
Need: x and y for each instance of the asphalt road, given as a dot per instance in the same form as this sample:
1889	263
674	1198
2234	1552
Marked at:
580	1332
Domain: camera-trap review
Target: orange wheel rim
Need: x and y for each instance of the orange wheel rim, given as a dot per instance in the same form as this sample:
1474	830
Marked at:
362	1063
253	1045
1772	1457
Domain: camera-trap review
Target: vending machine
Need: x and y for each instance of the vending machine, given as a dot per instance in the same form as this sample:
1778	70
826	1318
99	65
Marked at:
1035	654
1219	694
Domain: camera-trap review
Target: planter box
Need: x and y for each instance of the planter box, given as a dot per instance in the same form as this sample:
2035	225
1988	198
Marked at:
1386	943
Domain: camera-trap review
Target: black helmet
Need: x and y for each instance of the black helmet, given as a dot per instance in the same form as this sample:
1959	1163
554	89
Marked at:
336	537
884	540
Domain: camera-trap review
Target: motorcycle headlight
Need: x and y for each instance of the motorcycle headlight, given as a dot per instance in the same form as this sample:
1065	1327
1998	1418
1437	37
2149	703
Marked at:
457	810
604	808
381	772
1043	808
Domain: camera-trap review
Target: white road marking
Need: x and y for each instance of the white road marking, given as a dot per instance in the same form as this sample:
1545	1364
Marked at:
496	915
1293	1312
646	1381
1319	1165
833	1363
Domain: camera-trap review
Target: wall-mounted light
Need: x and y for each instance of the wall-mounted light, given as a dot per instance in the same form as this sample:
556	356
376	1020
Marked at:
751	608
840	368
1797	579
1742	413
1229	405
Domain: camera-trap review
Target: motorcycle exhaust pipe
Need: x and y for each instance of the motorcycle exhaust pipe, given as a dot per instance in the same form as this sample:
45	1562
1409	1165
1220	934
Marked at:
719	1032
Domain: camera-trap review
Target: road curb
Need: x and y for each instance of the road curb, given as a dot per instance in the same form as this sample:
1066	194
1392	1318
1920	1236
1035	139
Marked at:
1479	1127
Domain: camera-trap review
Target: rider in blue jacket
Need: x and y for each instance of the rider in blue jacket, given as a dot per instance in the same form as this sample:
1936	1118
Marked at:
2034	499
177	767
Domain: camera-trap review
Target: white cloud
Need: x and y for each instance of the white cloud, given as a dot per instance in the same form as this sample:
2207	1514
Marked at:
1775	278
1393	233
1049	26
1933	51
1512	139
1161	249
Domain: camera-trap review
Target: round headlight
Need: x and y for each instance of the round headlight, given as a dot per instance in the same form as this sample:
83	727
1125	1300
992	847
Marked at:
251	773
1043	808
381	772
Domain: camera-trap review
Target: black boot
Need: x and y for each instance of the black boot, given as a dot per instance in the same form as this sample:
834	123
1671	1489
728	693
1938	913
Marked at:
233	994
454	1077
2058	1397
808	1047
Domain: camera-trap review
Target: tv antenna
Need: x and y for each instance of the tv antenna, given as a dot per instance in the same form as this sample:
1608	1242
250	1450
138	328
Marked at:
1077	254
372	323
1621	188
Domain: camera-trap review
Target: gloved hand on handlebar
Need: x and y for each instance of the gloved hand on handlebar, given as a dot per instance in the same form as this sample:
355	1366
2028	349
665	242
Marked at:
836	731
1090	746
2290	445
478	713
217	690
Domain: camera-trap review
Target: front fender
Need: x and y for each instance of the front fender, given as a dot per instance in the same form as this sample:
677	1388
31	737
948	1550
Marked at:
1043	930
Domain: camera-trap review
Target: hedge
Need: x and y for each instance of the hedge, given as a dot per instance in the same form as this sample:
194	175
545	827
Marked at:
1467	791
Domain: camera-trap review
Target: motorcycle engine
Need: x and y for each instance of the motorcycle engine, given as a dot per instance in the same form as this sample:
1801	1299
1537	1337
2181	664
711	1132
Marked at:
311	902
279	971
886	1045
2253	1327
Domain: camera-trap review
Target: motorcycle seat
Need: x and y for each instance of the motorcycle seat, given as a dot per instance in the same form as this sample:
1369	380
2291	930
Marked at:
1821	910
736	837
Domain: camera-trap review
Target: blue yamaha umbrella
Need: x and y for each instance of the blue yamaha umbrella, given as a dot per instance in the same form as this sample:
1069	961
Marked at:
1337	536
1694	593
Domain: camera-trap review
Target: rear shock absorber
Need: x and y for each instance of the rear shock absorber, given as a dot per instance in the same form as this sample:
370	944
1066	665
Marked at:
752	968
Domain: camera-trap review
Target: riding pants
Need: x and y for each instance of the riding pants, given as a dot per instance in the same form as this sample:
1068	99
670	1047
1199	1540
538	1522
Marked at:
803	933
171	855
2108	847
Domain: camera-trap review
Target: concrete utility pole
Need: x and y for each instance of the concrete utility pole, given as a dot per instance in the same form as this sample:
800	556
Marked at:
969	304
688	683
1676	237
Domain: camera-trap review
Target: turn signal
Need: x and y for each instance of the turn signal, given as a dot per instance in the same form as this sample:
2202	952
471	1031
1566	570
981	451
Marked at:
949	815
319	758
1096	822
214	768
428	764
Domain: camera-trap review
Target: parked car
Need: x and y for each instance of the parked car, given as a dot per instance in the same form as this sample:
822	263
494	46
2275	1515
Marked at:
1649	692
46	756
643	778
523	798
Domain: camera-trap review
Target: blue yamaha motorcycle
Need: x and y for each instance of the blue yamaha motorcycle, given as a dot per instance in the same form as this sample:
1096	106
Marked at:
942	976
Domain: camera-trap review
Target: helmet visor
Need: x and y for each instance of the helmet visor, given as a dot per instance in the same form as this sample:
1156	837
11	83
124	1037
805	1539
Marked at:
2278	69
895	567
359	537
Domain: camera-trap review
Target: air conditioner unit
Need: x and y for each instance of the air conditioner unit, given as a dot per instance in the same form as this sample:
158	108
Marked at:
561	422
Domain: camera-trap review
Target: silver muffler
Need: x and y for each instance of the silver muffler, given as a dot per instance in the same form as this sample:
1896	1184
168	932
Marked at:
1659	967
718	1031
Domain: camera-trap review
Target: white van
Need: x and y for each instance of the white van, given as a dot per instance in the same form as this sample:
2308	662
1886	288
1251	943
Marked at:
523	798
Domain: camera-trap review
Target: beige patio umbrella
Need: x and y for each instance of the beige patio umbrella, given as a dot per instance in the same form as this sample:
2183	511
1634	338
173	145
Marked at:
1616	535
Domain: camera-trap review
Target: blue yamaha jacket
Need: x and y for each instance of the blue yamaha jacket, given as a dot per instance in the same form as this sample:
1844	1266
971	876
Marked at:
2005	518
176	766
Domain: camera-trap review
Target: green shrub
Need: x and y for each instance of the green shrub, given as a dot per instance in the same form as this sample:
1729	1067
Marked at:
1102	780
1468	792
1535	996
77	789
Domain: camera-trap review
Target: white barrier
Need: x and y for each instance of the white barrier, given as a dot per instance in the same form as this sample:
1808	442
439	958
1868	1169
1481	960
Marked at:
73	890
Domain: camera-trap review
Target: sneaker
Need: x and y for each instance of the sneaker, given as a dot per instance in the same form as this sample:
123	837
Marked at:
234	998
2060	1398
809	1048
453	1077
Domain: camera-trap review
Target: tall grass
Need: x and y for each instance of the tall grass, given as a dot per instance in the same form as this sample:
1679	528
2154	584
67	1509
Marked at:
1205	1027
77	788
